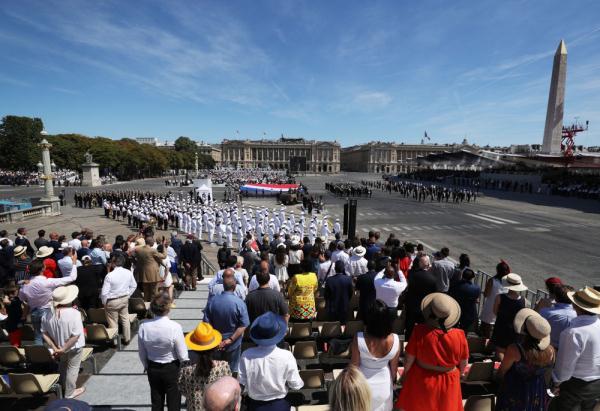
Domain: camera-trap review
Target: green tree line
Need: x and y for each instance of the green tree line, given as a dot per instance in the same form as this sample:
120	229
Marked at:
125	158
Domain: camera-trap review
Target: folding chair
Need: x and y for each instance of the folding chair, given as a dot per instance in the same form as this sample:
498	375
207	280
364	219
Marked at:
35	384
478	349
97	316
299	331
314	383
480	403
138	307
88	354
40	359
99	334
305	353
329	330
12	357
352	327
480	376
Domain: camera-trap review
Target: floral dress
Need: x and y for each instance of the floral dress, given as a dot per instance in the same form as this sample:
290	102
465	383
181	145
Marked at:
301	292
192	387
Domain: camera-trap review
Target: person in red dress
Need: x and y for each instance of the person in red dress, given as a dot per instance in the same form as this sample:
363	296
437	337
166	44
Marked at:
436	357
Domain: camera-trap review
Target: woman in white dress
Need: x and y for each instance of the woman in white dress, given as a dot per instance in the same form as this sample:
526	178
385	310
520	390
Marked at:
375	352
280	263
493	287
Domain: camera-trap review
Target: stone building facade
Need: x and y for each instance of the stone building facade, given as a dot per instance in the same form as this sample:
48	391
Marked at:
388	158
295	154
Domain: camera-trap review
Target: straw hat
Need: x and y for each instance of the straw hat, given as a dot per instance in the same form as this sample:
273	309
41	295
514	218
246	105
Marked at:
440	305
140	242
203	338
587	299
359	251
512	281
64	295
44	251
19	250
528	321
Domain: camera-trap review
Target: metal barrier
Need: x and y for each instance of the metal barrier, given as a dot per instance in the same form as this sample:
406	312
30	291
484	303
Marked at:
207	268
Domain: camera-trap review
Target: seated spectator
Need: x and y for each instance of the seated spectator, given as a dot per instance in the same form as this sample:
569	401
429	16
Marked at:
467	294
264	268
350	391
301	293
266	371
375	352
524	365
389	285
560	313
62	330
506	308
202	370
223	395
338	292
577	370
264	299
436	357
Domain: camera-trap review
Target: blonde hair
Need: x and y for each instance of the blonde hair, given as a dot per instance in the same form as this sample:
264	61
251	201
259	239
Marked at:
350	391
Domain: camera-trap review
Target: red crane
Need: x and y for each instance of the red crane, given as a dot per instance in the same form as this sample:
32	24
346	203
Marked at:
567	145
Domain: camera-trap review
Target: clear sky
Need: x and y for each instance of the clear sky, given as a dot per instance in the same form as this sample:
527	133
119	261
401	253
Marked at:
351	71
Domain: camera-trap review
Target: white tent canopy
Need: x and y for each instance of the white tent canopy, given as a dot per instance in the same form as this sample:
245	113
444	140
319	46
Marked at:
203	188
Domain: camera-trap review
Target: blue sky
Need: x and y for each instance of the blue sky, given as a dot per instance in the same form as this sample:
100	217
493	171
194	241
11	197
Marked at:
335	70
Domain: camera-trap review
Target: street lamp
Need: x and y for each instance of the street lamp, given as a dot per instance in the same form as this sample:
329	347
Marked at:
46	168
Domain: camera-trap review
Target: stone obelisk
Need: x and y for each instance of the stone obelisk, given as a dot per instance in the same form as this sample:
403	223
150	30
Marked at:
556	102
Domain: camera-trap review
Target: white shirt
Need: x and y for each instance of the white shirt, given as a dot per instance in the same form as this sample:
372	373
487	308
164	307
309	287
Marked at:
356	266
161	340
273	283
340	255
75	244
323	268
268	371
62	324
388	290
118	283
579	353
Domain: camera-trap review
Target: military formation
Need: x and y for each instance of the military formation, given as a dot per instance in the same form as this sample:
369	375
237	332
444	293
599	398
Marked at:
348	190
424	192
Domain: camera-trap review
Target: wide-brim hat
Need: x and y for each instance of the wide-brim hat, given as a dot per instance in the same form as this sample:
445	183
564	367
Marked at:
528	321
587	299
19	250
268	329
440	305
513	281
64	295
203	338
140	242
44	251
359	251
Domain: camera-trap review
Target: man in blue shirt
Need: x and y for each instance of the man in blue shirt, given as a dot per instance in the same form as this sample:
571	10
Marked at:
467	294
560	314
228	314
218	279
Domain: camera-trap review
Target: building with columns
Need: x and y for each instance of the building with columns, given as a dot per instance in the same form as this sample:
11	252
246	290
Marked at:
387	157
294	154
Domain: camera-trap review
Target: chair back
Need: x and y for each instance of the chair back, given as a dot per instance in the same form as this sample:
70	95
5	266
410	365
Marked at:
136	305
4	387
38	355
97	316
25	384
352	327
331	330
476	345
300	330
480	403
481	371
10	356
96	333
314	378
305	350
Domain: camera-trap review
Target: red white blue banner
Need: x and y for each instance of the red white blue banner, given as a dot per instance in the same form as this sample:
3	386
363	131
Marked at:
268	188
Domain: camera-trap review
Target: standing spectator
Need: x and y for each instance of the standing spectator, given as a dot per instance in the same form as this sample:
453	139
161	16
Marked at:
264	299
422	283
98	255
16	315
350	391
228	314
65	264
493	287
202	371
22	261
357	264
264	268
266	371
191	258
162	349
223	395
295	256
506	308
41	240
338	292
325	267
222	255
75	242
525	364
176	242
577	369
37	294
118	286
339	254
389	285
62	330
375	352
147	267
366	288
443	269
84	249
551	283
7	262
301	293
559	314
436	357
467	294
280	262
21	239
89	281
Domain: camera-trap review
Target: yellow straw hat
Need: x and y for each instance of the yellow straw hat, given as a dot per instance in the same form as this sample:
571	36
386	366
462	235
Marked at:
203	338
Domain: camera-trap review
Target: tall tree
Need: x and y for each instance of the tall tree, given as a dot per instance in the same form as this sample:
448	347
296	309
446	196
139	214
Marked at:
19	137
185	144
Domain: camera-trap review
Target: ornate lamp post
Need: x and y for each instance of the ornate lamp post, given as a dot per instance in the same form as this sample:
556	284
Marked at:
46	170
196	163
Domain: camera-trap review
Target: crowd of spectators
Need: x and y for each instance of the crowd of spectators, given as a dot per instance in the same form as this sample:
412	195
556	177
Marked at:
31	178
